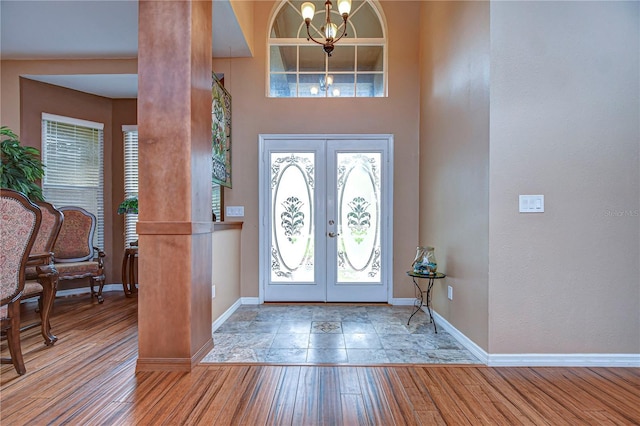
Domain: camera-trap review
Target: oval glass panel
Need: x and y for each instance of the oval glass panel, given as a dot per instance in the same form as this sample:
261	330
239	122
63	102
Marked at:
292	223
359	217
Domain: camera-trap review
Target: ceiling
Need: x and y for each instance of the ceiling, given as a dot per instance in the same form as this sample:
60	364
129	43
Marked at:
95	29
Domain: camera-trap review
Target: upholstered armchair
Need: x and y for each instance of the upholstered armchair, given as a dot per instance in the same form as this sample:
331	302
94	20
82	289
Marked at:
19	223
41	275
75	257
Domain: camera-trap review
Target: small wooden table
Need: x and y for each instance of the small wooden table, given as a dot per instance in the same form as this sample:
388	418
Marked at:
420	294
129	271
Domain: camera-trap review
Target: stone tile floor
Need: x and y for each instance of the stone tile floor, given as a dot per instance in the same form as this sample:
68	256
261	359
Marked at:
348	334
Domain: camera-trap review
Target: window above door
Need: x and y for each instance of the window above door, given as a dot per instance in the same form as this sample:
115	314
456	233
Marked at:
300	68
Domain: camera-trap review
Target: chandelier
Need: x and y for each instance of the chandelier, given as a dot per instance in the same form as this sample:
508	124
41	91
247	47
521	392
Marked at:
325	86
329	29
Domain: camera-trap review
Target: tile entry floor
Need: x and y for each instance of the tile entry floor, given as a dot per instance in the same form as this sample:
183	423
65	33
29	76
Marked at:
333	334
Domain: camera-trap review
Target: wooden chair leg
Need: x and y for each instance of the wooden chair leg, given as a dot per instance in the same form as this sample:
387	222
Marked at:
13	338
91	284
49	287
100	282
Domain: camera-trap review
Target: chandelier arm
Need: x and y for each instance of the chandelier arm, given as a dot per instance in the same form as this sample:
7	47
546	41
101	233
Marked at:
310	37
344	31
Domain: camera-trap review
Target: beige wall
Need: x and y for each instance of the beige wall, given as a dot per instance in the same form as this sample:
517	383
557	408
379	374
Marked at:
254	113
454	158
243	10
17	104
35	98
564	110
565	123
225	268
12	70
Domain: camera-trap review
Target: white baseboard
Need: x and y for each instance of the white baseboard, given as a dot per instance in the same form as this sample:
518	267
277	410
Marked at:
250	300
402	301
86	290
538	360
564	360
469	344
225	316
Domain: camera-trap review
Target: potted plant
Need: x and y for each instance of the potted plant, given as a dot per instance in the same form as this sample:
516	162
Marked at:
129	206
21	166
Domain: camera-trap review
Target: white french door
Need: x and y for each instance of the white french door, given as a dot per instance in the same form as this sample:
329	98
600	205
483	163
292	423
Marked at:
325	208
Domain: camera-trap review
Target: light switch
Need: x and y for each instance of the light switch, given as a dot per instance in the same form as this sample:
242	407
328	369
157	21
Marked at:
235	211
531	204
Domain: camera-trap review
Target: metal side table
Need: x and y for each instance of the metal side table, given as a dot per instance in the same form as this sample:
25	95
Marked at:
128	271
421	294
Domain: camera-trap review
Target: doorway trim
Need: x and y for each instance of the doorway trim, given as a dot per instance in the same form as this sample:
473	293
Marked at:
264	191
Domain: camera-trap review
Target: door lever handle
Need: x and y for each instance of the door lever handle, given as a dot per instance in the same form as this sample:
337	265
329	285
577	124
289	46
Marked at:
333	234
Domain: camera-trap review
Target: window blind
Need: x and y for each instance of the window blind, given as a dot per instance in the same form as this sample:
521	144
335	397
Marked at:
130	180
73	155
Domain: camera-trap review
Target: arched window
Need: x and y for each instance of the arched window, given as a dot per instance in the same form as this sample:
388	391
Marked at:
300	68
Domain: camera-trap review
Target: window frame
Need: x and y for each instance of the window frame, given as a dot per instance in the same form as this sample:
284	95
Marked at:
347	41
99	236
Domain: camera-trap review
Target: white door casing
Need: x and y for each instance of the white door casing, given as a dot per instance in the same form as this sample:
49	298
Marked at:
325	231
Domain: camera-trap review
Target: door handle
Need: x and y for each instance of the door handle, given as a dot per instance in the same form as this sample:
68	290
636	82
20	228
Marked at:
333	234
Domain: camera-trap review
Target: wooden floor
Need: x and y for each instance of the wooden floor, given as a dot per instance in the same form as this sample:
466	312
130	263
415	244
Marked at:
88	378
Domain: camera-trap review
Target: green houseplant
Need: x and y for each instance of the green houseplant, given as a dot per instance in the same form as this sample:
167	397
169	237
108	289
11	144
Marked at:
21	166
130	205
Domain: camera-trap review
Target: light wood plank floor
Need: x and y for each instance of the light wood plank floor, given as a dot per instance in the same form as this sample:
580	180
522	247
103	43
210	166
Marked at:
88	378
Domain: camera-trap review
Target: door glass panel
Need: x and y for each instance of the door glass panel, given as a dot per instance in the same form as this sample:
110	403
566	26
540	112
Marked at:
292	237
358	185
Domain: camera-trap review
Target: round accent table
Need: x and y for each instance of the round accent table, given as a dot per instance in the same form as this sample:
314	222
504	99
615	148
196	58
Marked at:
421	294
128	271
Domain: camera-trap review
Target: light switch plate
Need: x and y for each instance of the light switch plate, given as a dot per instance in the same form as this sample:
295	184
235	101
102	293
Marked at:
235	211
531	204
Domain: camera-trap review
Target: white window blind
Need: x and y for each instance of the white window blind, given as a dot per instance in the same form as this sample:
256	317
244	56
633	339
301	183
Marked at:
73	155
216	200
130	180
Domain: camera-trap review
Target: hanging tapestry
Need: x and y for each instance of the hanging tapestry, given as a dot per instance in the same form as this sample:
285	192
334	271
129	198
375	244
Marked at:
221	133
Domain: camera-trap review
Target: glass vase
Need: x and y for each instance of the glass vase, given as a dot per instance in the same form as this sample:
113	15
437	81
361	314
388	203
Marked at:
425	261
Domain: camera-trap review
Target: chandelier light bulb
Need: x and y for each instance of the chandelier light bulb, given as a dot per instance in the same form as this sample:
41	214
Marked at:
308	10
344	7
330	31
329	80
314	90
336	92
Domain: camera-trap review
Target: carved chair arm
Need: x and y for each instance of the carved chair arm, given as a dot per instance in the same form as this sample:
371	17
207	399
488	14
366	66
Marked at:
101	256
47	270
36	259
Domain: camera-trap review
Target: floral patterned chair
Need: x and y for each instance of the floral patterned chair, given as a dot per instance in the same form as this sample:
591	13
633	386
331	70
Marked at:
19	223
75	256
40	267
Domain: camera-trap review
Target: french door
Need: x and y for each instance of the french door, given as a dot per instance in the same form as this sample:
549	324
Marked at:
325	207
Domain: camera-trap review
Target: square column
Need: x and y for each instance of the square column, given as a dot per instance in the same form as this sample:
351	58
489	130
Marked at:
174	162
